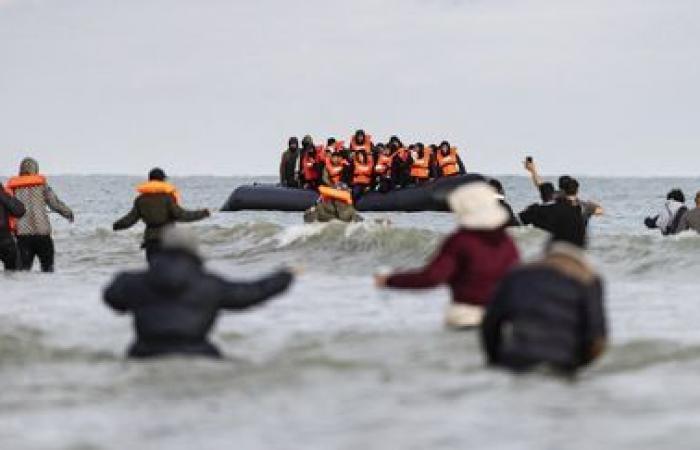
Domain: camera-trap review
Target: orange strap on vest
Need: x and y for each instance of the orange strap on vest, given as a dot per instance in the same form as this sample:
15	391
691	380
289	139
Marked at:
309	168
159	187
334	172
448	163
383	165
363	173
421	167
335	194
366	146
25	181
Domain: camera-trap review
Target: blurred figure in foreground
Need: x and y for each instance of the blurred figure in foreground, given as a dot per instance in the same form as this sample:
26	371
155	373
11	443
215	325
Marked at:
472	261
547	314
175	303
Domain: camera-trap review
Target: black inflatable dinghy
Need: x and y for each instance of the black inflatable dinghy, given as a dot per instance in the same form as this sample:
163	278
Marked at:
426	197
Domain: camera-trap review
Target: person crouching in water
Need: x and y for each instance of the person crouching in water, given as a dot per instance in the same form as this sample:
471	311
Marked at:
10	210
472	261
175	303
33	229
334	203
158	207
548	314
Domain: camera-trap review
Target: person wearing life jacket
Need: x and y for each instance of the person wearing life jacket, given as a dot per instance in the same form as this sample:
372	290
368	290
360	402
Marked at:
312	163
158	206
362	170
289	165
361	141
432	150
33	229
420	168
10	210
382	169
401	166
335	170
334	203
448	161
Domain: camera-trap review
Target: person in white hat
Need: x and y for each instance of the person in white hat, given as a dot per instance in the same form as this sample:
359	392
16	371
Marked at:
472	261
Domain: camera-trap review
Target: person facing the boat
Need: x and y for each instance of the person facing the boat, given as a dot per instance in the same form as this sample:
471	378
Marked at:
334	203
10	210
448	161
362	174
501	196
158	206
335	170
33	229
175	303
289	165
361	141
668	220
471	261
382	169
548	314
420	166
691	219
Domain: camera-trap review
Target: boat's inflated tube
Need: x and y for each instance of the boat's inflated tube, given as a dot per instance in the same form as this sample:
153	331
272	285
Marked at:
426	197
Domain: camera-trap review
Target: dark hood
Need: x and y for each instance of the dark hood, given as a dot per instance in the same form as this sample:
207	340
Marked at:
173	271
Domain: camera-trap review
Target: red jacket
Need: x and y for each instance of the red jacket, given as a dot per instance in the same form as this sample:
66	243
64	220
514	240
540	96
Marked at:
472	263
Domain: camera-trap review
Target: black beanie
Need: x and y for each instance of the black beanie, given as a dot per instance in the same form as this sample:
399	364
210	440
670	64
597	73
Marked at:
157	174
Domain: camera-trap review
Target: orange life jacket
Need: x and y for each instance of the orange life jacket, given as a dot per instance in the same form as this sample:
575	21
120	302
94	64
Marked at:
363	173
159	187
309	165
328	194
448	163
421	166
383	166
366	146
334	172
19	182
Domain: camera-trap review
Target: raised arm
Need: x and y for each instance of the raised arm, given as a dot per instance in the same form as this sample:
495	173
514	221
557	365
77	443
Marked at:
534	174
243	295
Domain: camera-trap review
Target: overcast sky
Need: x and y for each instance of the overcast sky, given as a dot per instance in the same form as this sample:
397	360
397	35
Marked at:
217	86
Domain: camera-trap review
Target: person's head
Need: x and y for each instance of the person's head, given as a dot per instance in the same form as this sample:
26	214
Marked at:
396	141
336	157
445	147
360	136
307	141
494	183
562	181
182	241
677	195
477	207
384	150
293	143
28	166
157	174
570	187
331	141
546	192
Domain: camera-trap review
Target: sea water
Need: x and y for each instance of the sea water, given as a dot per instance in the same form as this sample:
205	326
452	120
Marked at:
335	363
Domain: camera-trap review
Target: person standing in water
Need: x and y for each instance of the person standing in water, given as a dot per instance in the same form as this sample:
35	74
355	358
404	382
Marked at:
10	210
668	221
176	302
158	206
33	229
472	261
691	219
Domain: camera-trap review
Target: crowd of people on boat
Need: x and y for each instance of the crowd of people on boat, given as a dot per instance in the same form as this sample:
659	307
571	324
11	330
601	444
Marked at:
365	165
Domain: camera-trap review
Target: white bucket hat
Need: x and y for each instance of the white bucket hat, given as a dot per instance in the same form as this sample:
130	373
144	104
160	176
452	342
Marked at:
477	207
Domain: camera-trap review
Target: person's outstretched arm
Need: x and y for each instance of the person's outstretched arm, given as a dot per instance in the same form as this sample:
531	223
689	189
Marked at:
243	295
183	215
534	174
127	221
15	207
56	205
437	272
117	295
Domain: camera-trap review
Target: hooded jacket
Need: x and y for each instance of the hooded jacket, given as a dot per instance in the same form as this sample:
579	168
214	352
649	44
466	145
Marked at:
669	218
550	312
9	207
37	200
175	303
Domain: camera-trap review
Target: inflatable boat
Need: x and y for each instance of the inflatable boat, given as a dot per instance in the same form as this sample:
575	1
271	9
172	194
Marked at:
426	197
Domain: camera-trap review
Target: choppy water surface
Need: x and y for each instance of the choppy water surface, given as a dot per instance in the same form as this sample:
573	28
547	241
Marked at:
336	363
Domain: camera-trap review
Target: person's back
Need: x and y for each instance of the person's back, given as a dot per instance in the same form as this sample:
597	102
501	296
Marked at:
176	302
10	210
691	219
547	313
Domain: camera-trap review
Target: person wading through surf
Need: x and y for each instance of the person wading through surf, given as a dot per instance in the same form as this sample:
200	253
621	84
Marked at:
176	302
158	206
334	203
471	261
33	229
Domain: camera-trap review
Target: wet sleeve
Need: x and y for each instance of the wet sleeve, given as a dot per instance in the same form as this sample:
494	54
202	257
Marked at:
183	215
242	295
13	206
56	205
595	330
129	220
117	294
491	326
440	270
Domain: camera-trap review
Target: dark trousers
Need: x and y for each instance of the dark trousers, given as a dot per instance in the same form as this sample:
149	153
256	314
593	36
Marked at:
8	253
31	247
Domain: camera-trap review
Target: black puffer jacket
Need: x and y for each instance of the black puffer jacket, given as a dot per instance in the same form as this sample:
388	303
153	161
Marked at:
550	312
9	207
175	303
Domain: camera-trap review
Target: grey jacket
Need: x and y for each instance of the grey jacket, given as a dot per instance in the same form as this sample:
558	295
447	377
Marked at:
38	200
691	220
